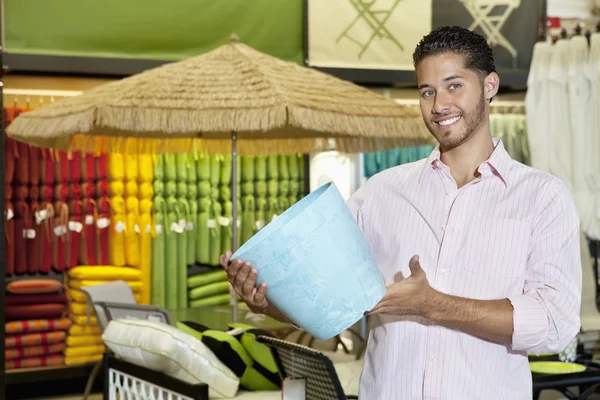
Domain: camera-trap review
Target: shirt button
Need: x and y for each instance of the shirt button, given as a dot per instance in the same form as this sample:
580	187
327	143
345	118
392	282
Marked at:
433	359
444	227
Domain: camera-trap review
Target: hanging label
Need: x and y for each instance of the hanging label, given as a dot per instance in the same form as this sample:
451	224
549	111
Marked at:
120	227
212	224
75	226
176	228
293	389
103	223
260	224
148	229
224	221
10	214
189	226
89	219
274	217
60	230
40	216
182	224
159	229
28	234
136	228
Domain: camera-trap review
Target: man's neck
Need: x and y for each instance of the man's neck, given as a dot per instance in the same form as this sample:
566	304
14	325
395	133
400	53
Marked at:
465	159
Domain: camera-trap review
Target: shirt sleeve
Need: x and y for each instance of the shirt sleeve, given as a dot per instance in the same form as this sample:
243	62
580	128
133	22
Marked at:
546	314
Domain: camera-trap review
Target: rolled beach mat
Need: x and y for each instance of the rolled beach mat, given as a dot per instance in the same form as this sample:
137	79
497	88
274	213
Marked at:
317	264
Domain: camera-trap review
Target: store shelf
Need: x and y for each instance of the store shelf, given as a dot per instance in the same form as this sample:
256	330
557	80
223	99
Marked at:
35	375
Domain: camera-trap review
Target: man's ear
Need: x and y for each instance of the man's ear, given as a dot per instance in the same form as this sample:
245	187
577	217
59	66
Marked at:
491	85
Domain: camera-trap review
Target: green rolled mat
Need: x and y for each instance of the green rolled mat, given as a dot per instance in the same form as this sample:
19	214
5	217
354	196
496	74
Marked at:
159	167
283	203
273	167
260	189
203	238
247	169
272	188
206	278
260	168
170	167
216	300
215	234
192	231
248	218
158	187
182	188
215	170
284	187
284	169
203	167
170	188
181	164
226	164
272	208
171	260
225	194
158	295
209	290
226	227
204	204
293	164
247	188
182	246
204	189
215	193
294	188
192	173
261	213
192	191
293	199
300	158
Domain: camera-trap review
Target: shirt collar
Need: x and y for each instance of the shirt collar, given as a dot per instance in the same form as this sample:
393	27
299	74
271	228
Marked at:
499	161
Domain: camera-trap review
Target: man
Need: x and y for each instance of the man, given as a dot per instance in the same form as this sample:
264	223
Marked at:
480	253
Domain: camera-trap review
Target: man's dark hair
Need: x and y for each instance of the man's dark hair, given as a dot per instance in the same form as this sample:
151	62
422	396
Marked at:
477	53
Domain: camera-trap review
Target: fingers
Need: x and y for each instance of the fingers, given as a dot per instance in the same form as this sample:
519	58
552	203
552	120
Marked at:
260	294
415	268
242	275
224	259
248	285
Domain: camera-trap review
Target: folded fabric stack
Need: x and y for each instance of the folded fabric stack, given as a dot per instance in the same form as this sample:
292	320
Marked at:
382	160
84	342
207	286
36	312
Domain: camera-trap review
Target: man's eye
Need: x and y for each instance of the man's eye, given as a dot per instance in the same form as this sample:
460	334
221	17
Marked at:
427	93
455	86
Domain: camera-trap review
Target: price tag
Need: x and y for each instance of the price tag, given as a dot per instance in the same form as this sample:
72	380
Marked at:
75	226
60	230
10	214
40	216
212	224
223	221
31	234
136	228
89	219
260	224
189	226
182	224
176	228
103	223
293	389
159	229
120	227
148	228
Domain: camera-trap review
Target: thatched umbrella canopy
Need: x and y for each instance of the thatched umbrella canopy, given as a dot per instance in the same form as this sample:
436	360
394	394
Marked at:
195	104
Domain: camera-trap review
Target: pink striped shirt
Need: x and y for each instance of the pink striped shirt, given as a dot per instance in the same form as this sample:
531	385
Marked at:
512	233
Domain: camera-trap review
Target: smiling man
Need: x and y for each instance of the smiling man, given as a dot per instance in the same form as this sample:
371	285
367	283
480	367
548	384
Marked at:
480	254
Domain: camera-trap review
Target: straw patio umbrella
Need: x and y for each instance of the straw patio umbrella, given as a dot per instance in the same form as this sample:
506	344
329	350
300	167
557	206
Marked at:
233	95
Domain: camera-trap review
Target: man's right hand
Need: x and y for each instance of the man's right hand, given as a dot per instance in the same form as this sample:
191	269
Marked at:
242	277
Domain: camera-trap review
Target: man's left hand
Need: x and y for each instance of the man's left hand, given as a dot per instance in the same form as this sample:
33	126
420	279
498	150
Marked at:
408	296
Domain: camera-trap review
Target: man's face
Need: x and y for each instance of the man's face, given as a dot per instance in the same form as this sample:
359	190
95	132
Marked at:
451	98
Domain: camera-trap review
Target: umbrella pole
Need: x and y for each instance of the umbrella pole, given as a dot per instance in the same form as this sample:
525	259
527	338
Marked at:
234	247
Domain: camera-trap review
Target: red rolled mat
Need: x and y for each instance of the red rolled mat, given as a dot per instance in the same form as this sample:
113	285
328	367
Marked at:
22	312
75	192
35	155
102	232
87	246
10	153
74	167
34	246
35	362
102	189
34	339
48	238
22	232
47	193
22	164
60	227
34	193
33	351
47	167
88	167
61	192
38	325
61	167
21	192
73	241
102	166
30	299
9	227
88	190
8	192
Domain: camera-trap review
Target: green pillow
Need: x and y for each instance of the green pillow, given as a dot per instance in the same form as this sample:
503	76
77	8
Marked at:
260	168
182	187
226	164
159	187
192	173
159	171
215	170
293	164
294	188
181	161
203	167
273	188
284	187
284	170
273	167
204	189
261	188
211	289
206	278
170	167
192	191
247	188
170	188
247	169
216	300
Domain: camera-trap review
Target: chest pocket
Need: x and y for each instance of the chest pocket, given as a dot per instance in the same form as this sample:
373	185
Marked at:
496	248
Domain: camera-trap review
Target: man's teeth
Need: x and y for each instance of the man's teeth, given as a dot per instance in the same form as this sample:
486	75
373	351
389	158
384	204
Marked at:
449	121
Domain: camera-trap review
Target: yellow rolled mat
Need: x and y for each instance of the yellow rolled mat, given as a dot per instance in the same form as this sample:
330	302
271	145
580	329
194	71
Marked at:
83	320
105	273
84	330
83	360
136	286
83	351
83	341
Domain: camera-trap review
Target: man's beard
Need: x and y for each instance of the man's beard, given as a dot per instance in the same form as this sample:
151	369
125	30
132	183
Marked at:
472	121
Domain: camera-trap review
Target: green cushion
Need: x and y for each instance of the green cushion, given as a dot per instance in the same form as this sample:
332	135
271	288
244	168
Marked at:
181	161
208	290
273	167
204	189
182	189
284	169
206	278
247	169
216	300
170	167
203	168
261	188
159	187
260	168
159	171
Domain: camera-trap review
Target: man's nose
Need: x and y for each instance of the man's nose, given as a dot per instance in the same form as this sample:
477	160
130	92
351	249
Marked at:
441	104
